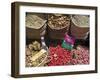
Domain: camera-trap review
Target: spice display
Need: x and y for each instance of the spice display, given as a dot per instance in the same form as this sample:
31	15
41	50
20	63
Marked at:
35	56
59	56
58	21
80	55
59	40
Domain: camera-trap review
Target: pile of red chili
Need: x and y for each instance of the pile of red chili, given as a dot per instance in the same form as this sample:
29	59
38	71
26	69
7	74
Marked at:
59	56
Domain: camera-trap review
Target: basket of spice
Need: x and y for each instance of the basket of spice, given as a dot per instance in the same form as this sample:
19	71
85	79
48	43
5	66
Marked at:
58	25
35	24
35	55
80	26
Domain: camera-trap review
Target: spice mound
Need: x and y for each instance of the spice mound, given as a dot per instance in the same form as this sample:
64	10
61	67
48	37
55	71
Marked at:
35	56
59	56
58	21
80	55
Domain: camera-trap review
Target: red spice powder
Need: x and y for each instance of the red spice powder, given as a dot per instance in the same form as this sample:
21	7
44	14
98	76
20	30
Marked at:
59	56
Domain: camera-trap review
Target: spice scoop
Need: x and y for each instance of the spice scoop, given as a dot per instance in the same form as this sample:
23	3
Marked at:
44	46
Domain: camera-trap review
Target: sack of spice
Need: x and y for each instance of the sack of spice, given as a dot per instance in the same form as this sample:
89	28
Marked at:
35	24
80	26
58	25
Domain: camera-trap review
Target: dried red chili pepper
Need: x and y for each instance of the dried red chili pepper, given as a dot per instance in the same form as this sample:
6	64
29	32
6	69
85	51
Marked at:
59	56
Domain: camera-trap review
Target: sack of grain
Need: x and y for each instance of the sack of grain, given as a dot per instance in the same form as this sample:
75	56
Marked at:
58	25
35	24
80	26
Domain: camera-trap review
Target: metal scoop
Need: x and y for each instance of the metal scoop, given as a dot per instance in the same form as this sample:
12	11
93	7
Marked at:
44	46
